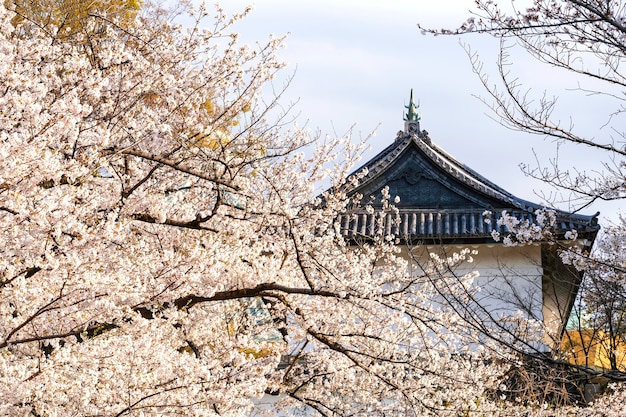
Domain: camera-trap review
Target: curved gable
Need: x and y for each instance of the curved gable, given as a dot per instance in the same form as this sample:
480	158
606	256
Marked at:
421	183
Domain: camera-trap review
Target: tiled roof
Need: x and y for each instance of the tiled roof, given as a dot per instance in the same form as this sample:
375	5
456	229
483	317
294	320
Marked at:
449	223
435	225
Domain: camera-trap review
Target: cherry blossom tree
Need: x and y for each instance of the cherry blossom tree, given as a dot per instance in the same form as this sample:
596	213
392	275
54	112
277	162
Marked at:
164	251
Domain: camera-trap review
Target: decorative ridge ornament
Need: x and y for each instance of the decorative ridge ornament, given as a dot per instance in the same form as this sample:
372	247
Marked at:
412	119
412	115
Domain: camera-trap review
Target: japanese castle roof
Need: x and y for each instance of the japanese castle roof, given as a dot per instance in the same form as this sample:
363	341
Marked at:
441	199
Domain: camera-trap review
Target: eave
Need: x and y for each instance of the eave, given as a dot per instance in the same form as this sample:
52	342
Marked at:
431	220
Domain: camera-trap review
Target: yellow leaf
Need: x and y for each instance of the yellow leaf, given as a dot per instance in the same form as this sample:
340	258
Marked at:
208	106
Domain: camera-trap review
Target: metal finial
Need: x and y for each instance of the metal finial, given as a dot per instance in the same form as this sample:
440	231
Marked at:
411	115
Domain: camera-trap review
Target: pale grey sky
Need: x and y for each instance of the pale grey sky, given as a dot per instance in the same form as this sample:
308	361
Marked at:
356	61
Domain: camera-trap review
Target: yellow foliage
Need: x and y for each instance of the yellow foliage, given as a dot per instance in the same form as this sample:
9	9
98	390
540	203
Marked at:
70	15
186	349
208	106
213	140
256	354
591	348
152	99
217	136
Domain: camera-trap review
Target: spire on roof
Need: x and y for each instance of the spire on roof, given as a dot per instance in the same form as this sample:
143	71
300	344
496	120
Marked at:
412	115
411	121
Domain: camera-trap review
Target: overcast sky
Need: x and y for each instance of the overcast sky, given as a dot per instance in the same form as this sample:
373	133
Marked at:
356	61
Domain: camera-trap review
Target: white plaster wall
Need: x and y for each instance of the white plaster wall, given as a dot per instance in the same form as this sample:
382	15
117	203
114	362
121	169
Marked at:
509	284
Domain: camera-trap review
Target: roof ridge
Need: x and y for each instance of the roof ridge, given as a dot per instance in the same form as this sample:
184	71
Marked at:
454	168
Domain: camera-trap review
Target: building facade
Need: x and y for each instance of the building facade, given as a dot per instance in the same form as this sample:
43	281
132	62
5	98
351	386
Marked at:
444	206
